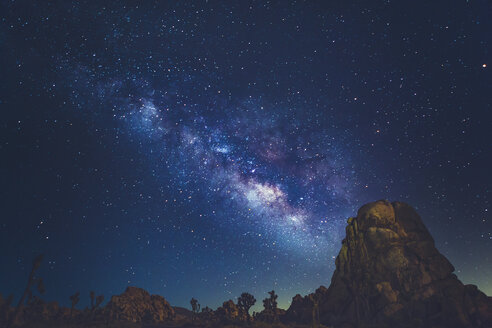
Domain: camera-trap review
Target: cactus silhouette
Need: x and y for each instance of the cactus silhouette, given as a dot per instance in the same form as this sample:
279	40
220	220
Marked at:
36	263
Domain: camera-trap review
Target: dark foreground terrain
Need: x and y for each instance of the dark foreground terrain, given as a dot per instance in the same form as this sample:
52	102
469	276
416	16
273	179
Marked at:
388	274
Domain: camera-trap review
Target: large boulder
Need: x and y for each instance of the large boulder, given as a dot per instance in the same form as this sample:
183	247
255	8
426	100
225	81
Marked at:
303	309
389	274
137	305
229	312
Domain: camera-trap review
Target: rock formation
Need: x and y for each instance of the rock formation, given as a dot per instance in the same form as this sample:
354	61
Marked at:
182	313
302	309
390	274
228	312
137	305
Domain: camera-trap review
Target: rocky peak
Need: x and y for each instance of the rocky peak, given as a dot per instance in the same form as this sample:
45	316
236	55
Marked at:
389	272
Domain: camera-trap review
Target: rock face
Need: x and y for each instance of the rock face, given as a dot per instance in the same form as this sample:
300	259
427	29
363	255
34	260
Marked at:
389	274
228	312
137	305
303	308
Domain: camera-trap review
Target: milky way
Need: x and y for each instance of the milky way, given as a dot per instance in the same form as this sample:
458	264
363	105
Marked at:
270	175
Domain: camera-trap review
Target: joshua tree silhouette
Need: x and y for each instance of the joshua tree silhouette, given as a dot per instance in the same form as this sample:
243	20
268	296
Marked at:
245	302
270	305
271	302
195	307
98	300
75	298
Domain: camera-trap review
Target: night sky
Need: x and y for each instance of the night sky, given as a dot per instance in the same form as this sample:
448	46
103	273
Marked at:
203	149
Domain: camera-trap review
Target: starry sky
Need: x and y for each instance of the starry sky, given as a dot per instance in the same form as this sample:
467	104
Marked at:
203	149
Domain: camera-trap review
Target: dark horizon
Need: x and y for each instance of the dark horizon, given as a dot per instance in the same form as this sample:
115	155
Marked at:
204	149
